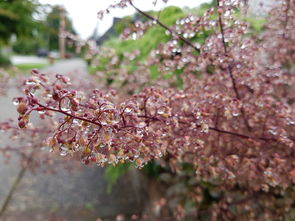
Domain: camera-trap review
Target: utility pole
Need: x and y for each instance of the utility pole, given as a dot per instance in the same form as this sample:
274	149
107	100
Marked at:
62	27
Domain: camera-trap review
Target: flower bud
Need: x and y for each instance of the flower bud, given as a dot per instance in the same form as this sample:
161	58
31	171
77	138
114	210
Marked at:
35	71
22	108
22	124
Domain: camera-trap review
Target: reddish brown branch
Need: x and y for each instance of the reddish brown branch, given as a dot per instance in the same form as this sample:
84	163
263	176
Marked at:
151	118
69	115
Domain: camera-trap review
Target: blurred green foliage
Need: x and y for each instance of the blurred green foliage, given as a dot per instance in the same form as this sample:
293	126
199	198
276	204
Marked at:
151	38
113	173
4	61
34	25
16	17
28	45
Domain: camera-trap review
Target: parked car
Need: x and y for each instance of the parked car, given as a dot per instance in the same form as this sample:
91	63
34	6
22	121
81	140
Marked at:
42	52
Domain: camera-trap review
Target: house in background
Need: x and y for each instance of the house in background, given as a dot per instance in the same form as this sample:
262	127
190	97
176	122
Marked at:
111	32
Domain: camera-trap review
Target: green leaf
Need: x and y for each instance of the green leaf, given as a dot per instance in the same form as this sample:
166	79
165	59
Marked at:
113	173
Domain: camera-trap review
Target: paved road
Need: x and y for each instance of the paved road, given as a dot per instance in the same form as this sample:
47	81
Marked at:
79	195
18	59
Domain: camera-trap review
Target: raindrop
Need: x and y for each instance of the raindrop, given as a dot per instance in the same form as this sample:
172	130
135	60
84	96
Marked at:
161	111
15	101
184	60
134	36
141	125
75	121
127	110
30	82
205	128
272	132
212	23
198	45
227	13
63	153
268	173
65	109
185	35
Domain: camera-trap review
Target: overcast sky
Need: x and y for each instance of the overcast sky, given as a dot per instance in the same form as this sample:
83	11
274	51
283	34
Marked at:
84	12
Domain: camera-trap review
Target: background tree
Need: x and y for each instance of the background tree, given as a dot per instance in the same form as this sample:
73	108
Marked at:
52	24
16	17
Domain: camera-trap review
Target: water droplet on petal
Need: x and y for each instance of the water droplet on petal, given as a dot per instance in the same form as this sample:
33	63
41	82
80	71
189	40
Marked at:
205	128
63	153
15	101
127	110
65	109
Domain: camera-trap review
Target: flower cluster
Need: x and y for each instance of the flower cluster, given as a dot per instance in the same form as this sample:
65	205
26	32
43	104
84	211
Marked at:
232	121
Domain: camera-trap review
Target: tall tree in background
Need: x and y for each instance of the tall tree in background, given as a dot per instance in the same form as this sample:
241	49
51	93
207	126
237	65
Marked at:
53	22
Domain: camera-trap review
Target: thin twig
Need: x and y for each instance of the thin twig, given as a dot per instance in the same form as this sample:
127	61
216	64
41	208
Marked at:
157	21
288	5
229	68
153	118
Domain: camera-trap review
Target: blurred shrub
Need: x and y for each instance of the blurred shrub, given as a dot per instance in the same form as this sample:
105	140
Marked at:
28	45
4	61
113	173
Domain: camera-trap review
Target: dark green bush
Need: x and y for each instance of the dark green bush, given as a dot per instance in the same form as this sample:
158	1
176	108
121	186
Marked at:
4	60
27	45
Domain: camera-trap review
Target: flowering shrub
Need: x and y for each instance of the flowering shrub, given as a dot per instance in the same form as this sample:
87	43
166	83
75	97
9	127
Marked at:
230	120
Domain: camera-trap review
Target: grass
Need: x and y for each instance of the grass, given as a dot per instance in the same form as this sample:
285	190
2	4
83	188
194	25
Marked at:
23	68
28	67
